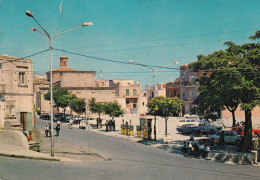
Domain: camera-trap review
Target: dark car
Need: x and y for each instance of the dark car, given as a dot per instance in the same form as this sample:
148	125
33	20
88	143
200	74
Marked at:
57	117
186	128
206	128
45	116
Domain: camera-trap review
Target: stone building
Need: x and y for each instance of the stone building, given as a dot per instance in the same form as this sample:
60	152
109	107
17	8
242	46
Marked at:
188	87
16	92
129	96
81	83
173	89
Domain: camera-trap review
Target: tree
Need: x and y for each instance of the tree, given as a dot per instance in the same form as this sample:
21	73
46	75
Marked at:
165	107
78	105
96	107
61	98
242	64
113	109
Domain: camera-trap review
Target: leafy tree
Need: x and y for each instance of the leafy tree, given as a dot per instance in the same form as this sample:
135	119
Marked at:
96	107
78	105
61	98
241	64
165	107
113	109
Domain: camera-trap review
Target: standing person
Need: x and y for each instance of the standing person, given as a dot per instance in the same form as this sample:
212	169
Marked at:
114	125
70	123
106	125
191	137
110	124
57	128
201	149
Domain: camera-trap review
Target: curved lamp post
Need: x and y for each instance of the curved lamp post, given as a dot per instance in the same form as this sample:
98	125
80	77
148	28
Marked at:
45	33
153	69
154	80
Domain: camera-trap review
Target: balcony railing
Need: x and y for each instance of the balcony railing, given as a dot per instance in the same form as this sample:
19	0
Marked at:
188	84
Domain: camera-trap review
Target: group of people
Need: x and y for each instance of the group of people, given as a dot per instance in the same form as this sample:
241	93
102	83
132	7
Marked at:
110	125
48	129
195	149
242	123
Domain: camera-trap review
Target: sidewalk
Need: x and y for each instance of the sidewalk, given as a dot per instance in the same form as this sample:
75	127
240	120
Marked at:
20	152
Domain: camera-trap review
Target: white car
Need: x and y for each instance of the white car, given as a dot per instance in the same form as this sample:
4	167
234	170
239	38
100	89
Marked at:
82	124
230	136
187	121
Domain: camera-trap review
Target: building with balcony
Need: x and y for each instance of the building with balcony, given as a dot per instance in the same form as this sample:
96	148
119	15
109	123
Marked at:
129	95
189	85
16	93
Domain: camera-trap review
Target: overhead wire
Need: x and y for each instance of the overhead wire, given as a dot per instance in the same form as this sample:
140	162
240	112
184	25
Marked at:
163	39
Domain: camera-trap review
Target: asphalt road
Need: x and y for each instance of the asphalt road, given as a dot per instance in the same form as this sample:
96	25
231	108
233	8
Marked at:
125	160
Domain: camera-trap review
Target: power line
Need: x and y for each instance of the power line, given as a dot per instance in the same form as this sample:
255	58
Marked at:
108	60
22	58
167	45
163	39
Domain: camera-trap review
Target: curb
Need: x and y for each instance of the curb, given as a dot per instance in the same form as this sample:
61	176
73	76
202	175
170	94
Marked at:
29	157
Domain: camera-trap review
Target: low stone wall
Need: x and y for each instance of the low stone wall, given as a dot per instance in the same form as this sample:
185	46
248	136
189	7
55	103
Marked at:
240	158
14	138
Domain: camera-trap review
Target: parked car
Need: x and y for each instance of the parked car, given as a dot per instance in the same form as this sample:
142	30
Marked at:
230	136
206	128
45	116
82	124
240	130
187	121
186	128
57	117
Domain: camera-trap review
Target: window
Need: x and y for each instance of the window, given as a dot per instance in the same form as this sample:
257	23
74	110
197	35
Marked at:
127	101
103	83
127	92
143	103
134	92
21	78
144	94
190	93
175	93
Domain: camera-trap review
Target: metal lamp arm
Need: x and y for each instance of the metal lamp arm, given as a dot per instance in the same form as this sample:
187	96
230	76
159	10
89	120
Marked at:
66	31
46	33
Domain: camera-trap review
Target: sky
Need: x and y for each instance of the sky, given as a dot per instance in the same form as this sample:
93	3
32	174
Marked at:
149	32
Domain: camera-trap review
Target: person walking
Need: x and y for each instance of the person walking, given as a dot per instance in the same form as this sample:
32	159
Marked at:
57	128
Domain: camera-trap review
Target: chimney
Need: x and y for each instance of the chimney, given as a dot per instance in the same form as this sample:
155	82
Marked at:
63	61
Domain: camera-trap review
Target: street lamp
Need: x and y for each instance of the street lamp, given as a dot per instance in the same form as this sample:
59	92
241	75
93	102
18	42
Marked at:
154	81
45	33
153	69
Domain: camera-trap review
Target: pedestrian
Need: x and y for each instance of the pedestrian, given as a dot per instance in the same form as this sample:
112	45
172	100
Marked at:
202	147
57	128
190	150
191	137
30	136
206	151
183	148
222	139
106	125
110	124
114	125
71	123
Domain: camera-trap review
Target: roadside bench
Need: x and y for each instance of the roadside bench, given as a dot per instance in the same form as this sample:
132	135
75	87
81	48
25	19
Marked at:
35	146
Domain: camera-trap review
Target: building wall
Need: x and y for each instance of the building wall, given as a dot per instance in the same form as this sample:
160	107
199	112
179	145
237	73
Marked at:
16	88
78	79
